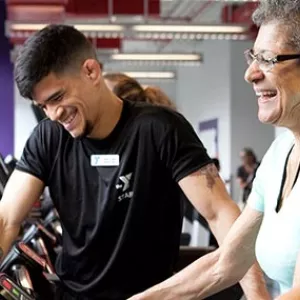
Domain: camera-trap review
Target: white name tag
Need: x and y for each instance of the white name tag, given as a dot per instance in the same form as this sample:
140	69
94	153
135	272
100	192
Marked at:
108	160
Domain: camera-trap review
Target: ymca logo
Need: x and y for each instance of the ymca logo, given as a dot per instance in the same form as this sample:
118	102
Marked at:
124	187
126	181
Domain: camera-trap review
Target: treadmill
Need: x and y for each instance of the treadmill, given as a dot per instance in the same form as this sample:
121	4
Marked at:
4	175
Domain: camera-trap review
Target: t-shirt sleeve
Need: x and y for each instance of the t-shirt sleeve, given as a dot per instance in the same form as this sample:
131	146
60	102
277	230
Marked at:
35	156
181	150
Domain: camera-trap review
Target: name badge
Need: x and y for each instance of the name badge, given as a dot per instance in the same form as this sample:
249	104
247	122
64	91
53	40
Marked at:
108	160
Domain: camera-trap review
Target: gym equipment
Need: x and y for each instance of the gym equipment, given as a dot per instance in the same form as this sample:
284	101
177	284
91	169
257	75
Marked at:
10	290
4	175
10	163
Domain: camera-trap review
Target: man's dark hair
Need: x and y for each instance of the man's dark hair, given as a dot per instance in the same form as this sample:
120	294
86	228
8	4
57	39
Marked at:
55	48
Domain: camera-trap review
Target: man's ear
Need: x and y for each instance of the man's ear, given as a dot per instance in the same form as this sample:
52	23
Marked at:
91	70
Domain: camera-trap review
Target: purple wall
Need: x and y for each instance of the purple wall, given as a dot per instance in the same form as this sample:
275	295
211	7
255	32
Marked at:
6	91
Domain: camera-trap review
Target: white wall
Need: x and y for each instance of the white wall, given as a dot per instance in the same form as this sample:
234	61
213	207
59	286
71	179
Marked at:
203	93
168	86
24	122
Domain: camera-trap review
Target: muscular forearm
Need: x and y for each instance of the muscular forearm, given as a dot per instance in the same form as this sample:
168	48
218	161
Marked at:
197	281
253	283
8	234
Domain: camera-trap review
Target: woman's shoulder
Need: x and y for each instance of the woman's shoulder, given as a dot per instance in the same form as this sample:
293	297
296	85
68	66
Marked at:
282	142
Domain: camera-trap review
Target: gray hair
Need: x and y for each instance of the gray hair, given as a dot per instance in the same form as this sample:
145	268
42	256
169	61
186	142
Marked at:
285	12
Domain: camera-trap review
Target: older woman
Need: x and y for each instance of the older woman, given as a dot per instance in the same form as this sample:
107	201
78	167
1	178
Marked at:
269	227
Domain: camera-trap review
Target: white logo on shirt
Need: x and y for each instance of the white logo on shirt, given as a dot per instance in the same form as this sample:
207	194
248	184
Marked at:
125	186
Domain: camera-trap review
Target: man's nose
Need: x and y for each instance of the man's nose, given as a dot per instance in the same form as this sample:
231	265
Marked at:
54	113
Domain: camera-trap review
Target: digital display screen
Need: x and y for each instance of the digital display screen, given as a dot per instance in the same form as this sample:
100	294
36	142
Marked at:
13	289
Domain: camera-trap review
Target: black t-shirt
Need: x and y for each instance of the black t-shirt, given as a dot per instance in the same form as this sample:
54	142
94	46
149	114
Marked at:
121	224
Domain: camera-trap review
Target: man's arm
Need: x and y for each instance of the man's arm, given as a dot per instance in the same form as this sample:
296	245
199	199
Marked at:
227	265
21	192
217	270
209	196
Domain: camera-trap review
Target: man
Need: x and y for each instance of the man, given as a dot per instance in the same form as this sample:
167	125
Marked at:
115	170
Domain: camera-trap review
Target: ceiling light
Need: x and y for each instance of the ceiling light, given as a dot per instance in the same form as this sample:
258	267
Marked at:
141	28
191	28
150	75
81	27
153	56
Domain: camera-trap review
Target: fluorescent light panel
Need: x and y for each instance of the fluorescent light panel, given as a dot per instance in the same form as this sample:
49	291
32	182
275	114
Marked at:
141	28
153	56
190	28
81	27
149	74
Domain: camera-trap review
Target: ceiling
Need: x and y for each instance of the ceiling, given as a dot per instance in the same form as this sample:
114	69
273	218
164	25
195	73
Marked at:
25	16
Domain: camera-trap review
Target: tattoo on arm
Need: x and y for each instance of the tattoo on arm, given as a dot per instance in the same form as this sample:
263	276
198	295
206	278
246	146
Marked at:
1	253
211	173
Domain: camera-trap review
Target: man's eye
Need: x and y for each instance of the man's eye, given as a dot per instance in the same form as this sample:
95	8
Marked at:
41	106
57	99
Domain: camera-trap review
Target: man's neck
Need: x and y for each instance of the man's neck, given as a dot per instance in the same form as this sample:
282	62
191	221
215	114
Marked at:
109	117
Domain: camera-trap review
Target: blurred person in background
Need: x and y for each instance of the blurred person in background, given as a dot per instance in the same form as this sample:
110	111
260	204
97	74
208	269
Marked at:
246	172
129	88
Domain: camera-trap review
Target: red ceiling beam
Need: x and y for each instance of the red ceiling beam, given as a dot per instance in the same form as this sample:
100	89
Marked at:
97	42
241	14
106	43
35	13
55	10
235	13
36	2
35	10
119	7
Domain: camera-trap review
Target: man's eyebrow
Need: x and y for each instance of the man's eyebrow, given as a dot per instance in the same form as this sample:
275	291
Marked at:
54	95
51	97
